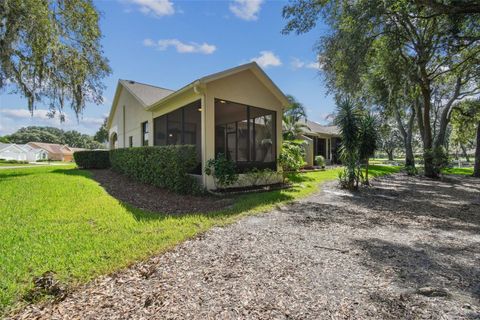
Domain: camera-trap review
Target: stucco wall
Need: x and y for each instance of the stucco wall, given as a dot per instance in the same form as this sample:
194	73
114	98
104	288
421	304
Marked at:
243	87
135	114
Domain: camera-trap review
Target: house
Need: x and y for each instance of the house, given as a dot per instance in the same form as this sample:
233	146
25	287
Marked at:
21	152
321	140
56	152
11	151
237	112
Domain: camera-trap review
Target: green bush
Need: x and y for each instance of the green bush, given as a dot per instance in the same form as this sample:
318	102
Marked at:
13	161
166	166
89	159
223	170
320	161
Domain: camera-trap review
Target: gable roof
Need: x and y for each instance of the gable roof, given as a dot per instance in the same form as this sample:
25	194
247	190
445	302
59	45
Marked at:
146	93
152	96
315	127
52	148
6	146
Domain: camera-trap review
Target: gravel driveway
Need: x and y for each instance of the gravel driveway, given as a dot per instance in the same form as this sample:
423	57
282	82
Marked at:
404	248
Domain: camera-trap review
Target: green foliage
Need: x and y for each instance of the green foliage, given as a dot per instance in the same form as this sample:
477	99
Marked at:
320	161
223	170
97	159
102	134
411	170
295	110
13	161
292	155
4	140
71	138
51	49
438	157
358	130
258	177
465	118
292	128
166	166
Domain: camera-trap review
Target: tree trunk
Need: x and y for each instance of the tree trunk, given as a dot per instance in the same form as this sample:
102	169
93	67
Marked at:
406	135
465	153
476	168
390	154
445	116
428	160
366	173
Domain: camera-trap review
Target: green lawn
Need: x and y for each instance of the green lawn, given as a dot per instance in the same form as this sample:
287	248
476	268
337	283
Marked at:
5	164
59	219
461	171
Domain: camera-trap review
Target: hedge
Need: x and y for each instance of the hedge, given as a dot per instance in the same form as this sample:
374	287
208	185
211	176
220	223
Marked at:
92	159
161	166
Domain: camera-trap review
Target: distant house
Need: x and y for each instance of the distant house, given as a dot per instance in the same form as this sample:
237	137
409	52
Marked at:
56	152
236	112
321	141
21	152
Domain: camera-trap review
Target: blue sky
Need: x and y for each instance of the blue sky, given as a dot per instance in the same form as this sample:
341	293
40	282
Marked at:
171	43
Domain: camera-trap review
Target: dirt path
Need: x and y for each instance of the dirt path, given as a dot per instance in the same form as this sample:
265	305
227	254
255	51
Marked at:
405	248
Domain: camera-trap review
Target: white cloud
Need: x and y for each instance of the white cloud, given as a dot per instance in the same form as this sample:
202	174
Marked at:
181	47
267	59
157	8
299	64
246	9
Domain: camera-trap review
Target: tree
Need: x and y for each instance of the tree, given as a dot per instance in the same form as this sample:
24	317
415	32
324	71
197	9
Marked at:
466	127
4	140
51	50
296	110
102	134
436	53
71	138
389	138
367	140
292	128
348	120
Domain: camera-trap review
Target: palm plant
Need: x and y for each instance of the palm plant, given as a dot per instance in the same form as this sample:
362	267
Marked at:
368	140
296	109
292	128
348	120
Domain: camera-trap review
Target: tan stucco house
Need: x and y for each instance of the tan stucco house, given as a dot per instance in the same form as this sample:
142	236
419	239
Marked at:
56	152
237	112
321	140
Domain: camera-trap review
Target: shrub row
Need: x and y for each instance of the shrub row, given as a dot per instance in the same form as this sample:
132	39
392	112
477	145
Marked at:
165	166
92	159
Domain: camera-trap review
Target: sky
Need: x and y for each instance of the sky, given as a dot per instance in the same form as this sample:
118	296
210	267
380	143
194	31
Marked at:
170	43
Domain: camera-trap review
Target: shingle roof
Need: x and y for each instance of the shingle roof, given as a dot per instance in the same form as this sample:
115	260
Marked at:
52	147
318	128
146	93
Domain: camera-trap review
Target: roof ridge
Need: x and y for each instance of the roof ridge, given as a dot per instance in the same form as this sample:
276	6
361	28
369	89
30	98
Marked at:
147	84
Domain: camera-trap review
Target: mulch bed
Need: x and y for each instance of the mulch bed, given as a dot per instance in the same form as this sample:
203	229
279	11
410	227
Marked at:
155	199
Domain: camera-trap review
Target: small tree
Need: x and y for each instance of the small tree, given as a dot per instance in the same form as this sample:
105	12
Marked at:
358	131
367	140
292	156
348	120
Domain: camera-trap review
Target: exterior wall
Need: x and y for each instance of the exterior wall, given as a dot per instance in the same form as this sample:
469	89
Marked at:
13	153
245	88
309	150
127	119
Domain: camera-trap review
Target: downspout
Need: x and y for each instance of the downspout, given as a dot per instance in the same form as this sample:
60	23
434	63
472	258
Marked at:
199	88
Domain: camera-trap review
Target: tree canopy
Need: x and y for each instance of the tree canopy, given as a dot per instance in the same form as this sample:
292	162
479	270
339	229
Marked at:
50	51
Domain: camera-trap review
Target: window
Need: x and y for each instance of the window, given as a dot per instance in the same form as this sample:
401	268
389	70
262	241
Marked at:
130	141
145	133
245	134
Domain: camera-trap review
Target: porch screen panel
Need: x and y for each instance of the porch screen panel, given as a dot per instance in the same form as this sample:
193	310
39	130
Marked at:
174	127
160	130
192	122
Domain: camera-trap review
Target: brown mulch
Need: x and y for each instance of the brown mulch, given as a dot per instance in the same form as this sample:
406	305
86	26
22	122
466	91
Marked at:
155	199
405	248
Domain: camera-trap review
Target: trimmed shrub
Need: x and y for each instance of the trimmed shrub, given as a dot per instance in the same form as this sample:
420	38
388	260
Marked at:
320	161
162	166
92	159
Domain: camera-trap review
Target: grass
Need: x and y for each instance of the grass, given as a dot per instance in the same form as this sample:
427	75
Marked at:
461	171
60	220
6	164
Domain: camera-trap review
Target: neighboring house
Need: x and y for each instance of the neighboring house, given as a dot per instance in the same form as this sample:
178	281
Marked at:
56	152
21	152
237	112
10	151
321	140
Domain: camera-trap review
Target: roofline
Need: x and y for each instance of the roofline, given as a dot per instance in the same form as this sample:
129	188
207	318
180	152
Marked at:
218	75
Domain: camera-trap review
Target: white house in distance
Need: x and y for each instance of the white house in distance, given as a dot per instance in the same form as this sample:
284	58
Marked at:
21	152
237	112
